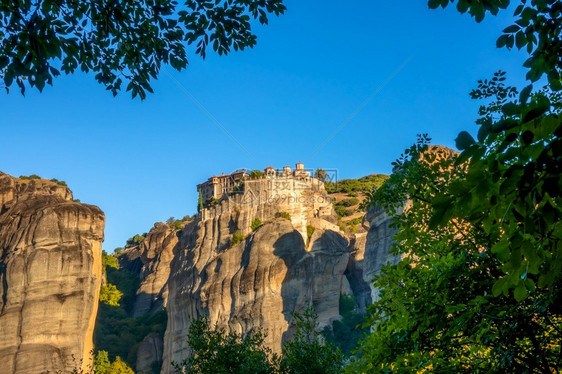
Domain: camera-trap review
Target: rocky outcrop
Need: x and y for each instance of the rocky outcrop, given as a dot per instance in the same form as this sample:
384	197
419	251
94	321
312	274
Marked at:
149	353
50	274
155	253
370	252
257	283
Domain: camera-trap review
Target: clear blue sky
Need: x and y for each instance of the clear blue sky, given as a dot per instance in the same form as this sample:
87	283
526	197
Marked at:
312	69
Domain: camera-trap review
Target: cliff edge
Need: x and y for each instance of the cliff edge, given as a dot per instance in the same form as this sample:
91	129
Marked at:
50	275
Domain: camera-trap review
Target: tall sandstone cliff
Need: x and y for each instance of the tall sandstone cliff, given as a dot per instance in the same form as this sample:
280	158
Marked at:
279	268
50	274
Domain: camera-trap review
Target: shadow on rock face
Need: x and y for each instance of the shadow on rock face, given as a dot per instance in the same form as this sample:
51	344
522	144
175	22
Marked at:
296	289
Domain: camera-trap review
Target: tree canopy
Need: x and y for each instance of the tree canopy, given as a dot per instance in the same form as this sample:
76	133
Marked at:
122	42
478	288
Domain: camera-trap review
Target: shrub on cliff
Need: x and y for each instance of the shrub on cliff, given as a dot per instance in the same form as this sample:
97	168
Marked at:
285	215
110	295
137	239
237	237
348	202
342	211
255	224
308	352
108	260
103	365
216	351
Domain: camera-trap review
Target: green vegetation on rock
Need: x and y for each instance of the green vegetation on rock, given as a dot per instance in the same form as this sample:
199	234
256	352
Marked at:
103	365
137	239
110	295
363	184
216	351
237	237
116	331
285	215
255	224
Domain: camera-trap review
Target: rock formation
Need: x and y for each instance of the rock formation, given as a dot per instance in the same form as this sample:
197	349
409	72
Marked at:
156	253
258	282
149	352
50	272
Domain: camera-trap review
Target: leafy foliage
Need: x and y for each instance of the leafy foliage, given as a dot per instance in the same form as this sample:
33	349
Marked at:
60	183
103	365
109	260
309	231
321	174
237	237
116	331
536	29
174	223
29	177
363	184
343	211
285	215
110	295
216	351
307	352
436	308
200	201
255	174
137	239
120	41
255	224
348	202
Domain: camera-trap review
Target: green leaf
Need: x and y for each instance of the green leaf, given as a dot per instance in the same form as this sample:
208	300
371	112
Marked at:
525	92
464	140
511	29
498	287
520	292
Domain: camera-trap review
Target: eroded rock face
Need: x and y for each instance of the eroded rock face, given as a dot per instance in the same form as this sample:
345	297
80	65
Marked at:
50	274
371	251
156	253
149	353
257	283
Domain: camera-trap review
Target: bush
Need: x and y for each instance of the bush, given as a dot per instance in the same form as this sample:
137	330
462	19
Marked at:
28	177
102	365
115	330
308	351
310	230
348	202
283	215
342	211
237	237
60	183
110	295
255	224
216	351
137	239
355	221
174	223
255	174
353	186
108	260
